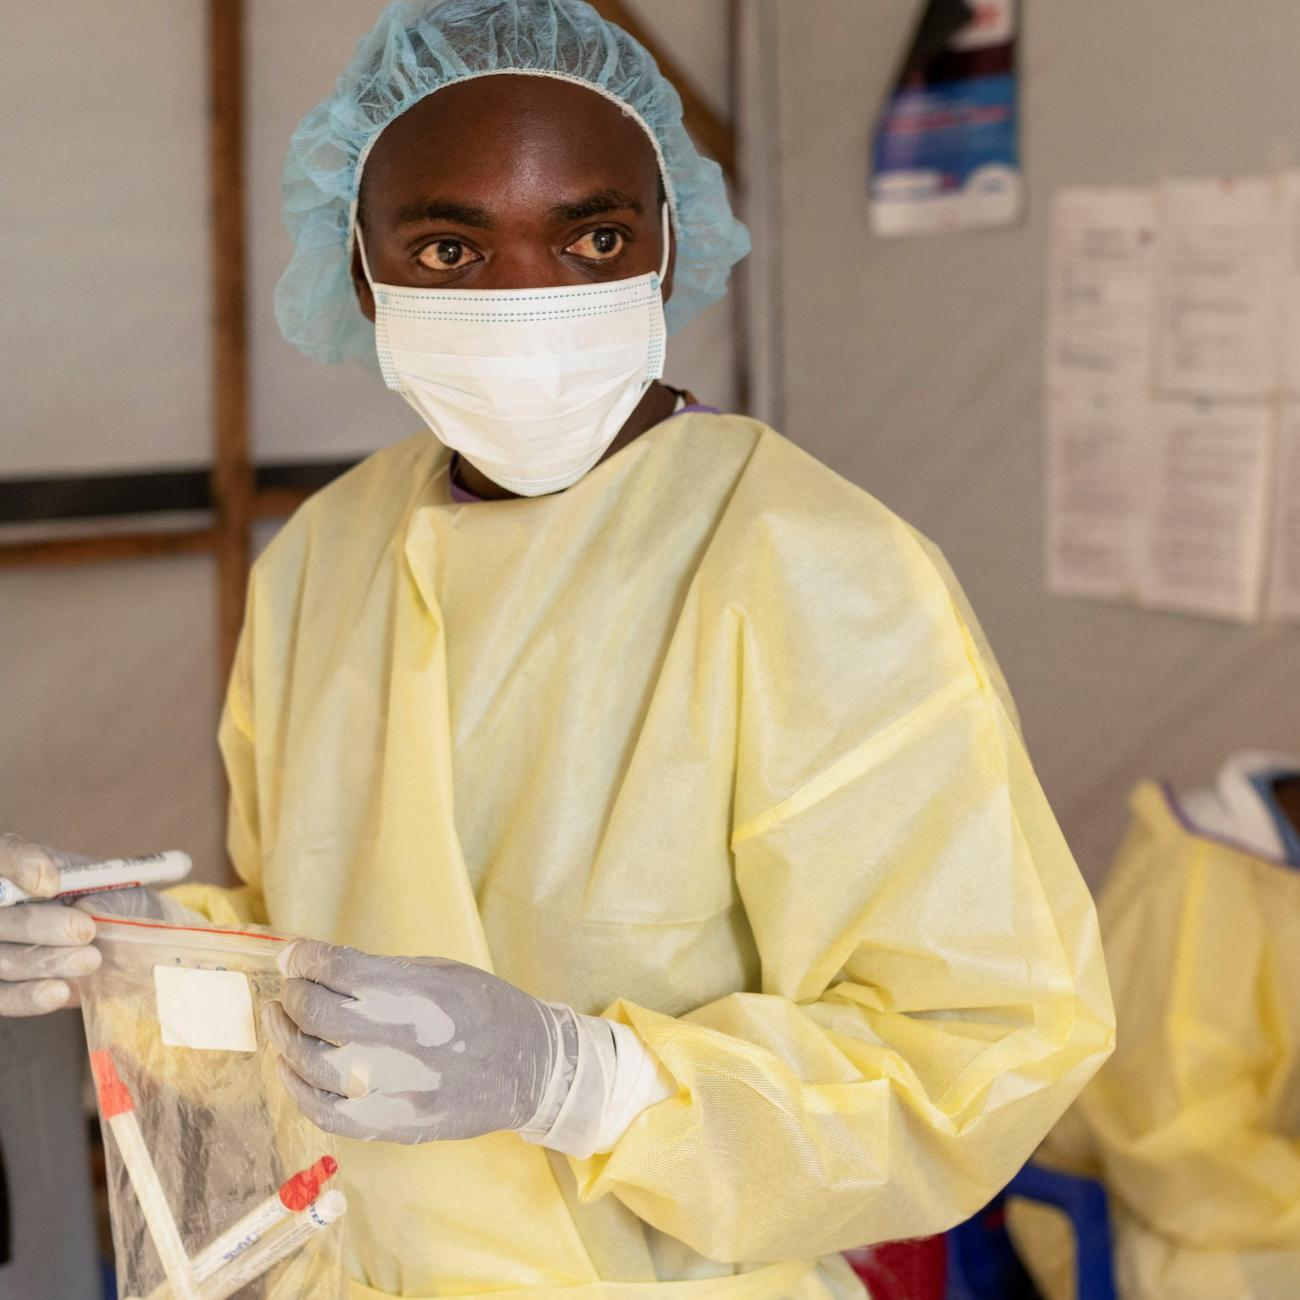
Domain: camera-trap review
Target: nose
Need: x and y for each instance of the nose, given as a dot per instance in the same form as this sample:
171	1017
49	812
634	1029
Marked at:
527	267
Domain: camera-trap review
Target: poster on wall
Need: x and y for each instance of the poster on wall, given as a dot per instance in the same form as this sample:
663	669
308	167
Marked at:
946	152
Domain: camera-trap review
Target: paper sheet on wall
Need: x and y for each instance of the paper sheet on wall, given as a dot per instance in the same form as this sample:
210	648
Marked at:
1103	245
1290	260
1096	502
1205	537
1284	586
1098	363
1173	333
1219	299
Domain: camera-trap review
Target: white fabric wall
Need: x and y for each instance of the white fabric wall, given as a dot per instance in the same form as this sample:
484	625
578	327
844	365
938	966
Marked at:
103	252
108	690
913	367
301	411
108	723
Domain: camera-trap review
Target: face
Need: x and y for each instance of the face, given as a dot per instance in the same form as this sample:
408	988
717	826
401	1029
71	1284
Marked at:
510	182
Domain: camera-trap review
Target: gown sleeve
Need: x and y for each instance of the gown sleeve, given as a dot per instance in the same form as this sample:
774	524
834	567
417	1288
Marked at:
933	994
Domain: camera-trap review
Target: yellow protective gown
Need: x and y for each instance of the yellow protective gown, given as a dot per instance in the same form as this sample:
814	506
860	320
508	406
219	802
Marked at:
1194	1123
710	743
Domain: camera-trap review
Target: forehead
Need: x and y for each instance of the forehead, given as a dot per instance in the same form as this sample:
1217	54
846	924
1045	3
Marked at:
511	136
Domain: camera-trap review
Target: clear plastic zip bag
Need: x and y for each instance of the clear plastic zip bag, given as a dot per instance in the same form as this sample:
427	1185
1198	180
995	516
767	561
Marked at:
218	1186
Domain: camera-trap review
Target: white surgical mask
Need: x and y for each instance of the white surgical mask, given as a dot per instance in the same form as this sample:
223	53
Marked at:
529	385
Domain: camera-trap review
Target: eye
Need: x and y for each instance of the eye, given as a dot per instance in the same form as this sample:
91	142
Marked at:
598	245
447	255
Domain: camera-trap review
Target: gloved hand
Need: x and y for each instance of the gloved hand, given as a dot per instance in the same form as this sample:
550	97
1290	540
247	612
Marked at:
42	945
416	1049
45	947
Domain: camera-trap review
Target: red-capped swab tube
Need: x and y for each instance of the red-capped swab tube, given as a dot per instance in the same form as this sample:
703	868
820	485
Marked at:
295	1195
118	1109
268	1252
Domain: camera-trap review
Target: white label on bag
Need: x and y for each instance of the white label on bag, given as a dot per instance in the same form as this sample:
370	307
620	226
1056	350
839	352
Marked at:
210	1010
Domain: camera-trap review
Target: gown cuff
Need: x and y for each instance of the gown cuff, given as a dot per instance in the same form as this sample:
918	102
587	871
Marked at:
616	1079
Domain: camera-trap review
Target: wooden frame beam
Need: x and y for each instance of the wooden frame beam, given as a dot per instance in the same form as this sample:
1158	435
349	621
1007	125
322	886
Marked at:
232	473
266	504
107	546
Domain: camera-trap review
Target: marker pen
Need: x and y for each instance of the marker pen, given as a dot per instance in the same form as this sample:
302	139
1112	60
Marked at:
295	1195
118	1110
113	873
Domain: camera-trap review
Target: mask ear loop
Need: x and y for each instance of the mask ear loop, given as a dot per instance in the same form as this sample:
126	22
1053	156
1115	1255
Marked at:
391	378
361	248
667	235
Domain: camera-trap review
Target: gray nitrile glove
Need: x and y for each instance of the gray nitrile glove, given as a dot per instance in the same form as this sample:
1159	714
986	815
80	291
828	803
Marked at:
416	1049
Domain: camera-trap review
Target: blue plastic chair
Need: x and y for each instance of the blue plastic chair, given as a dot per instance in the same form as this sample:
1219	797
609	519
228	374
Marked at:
982	1263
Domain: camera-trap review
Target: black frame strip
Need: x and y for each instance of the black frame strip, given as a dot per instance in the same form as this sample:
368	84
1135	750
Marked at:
102	496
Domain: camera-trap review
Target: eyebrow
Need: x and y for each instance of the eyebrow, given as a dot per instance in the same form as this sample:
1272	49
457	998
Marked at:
596	204
463	214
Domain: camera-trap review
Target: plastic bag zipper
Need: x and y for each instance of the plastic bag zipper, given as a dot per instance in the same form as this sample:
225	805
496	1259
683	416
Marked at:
244	943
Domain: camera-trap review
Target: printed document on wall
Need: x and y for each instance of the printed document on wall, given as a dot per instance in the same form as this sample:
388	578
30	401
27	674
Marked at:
1219	296
1209	504
1284	586
1100	285
1290	258
1096	493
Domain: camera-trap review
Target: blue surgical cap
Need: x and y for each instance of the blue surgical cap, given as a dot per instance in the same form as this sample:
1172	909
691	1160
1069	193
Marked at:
420	46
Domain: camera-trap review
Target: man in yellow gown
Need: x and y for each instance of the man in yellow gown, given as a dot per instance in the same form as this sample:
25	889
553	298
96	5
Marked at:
1194	1124
702	914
